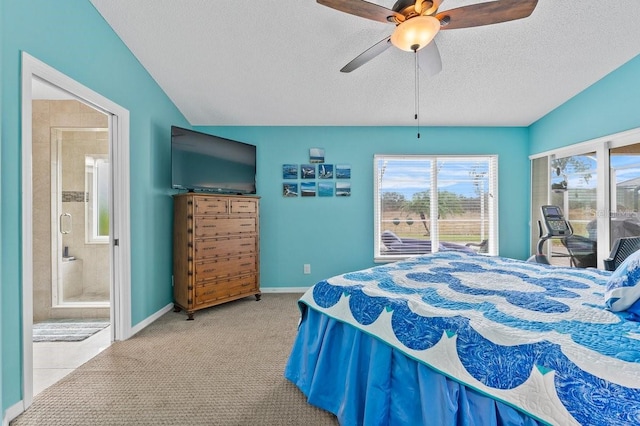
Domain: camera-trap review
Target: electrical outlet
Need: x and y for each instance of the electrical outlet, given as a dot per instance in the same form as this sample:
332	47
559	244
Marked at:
307	268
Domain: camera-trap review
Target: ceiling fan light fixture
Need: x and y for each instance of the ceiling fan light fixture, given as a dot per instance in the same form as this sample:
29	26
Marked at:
418	31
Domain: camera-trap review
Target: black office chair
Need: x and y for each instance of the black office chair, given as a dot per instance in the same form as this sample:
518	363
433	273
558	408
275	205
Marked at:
622	248
582	251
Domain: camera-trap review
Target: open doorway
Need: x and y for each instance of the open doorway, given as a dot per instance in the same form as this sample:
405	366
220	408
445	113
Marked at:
72	277
67	265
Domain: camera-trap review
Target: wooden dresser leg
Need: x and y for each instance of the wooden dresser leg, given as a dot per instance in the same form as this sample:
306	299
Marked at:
189	316
258	296
176	308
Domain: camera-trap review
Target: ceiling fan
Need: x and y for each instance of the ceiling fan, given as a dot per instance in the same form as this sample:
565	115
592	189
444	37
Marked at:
418	21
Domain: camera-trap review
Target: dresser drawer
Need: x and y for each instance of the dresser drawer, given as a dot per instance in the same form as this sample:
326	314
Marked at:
211	291
210	205
225	267
243	206
211	227
221	247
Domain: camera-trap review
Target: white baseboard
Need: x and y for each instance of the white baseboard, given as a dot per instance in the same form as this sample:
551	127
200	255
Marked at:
142	324
12	412
283	289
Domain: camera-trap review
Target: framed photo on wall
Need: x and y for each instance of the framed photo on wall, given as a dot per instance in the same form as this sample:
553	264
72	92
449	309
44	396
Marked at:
289	189
343	171
308	189
325	171
308	171
316	155
343	189
325	189
289	171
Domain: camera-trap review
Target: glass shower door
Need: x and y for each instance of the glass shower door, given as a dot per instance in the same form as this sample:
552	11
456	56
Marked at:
81	212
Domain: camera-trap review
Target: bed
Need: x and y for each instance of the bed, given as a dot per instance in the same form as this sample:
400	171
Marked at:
460	338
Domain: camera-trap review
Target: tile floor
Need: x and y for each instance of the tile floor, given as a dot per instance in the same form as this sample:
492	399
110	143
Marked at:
54	360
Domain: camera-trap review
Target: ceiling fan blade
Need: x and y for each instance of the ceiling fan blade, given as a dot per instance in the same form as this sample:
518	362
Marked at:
429	59
363	9
486	13
367	55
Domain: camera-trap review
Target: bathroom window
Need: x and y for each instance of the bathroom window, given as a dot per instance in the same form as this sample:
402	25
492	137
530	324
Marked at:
97	199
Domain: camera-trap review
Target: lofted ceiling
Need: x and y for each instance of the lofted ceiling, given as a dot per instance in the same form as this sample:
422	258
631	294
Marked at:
277	62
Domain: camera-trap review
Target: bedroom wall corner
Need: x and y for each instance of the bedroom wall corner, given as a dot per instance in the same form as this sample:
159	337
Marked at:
607	107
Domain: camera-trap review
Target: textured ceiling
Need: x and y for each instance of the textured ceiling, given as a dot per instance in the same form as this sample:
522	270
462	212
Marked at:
277	62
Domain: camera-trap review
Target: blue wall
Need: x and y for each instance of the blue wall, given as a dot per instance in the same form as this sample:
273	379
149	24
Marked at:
609	106
335	234
73	38
332	234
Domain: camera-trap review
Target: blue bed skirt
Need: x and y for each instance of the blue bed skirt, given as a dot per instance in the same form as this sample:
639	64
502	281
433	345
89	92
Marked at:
363	381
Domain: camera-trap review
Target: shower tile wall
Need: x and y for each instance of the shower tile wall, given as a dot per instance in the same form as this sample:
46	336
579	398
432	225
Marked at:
67	114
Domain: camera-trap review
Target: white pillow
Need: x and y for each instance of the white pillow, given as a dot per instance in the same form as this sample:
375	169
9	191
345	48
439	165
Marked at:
623	287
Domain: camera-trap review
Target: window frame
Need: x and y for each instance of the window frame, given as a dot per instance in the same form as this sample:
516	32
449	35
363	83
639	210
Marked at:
92	175
492	205
601	146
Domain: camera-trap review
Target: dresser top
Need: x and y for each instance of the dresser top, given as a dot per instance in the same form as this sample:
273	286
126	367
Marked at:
213	194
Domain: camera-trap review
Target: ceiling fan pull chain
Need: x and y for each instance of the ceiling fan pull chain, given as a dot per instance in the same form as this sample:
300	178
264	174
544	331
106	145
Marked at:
417	88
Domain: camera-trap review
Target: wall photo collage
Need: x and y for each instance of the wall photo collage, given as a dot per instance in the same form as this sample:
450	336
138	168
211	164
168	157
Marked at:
316	178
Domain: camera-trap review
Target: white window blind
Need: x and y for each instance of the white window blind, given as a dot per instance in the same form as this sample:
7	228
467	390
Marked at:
427	204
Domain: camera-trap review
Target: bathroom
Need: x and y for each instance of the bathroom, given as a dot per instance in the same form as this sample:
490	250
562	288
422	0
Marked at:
71	250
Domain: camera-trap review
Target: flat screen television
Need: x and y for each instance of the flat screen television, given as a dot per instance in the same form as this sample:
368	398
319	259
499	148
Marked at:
208	163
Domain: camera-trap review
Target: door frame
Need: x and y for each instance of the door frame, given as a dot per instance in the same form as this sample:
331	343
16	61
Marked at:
601	146
120	207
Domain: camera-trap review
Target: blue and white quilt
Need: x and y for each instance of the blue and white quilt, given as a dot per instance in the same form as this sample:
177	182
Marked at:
534	336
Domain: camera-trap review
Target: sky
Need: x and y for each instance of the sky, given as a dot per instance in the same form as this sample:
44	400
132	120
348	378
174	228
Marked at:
625	167
411	176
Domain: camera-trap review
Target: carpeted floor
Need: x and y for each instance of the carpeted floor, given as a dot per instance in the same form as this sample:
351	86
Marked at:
224	368
66	330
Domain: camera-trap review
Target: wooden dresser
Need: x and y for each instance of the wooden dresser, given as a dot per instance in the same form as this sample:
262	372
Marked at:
216	258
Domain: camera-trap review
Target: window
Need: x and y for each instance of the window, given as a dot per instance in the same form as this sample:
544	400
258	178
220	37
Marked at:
597	184
97	202
427	204
624	163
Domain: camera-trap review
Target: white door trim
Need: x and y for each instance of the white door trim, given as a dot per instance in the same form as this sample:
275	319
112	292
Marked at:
121	254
